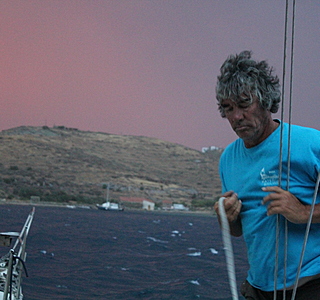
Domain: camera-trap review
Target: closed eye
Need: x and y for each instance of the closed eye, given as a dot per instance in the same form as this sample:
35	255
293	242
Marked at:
227	107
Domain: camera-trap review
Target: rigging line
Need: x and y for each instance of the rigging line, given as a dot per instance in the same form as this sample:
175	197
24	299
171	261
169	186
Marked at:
276	266
226	237
290	91
289	147
288	173
318	178
306	235
289	142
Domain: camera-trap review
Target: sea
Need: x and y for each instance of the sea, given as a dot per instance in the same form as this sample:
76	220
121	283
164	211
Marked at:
80	254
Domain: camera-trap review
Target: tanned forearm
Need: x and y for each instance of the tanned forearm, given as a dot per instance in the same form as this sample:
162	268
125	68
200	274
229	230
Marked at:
305	214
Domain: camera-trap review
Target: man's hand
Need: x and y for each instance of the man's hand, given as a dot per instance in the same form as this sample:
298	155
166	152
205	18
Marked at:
232	206
284	203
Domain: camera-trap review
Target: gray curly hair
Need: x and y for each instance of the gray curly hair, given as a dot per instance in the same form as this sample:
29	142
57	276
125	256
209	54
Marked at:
241	78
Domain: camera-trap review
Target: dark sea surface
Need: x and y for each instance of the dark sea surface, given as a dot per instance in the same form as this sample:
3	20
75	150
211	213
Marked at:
93	254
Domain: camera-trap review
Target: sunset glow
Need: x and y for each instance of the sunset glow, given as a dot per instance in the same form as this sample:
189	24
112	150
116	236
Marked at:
144	67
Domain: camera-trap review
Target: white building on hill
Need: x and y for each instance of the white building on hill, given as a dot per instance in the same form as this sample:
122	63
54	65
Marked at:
147	205
211	148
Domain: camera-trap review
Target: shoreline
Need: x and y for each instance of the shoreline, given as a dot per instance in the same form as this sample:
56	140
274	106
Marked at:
208	213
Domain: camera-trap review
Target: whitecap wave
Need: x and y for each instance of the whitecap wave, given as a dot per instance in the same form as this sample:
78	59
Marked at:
213	251
194	254
156	240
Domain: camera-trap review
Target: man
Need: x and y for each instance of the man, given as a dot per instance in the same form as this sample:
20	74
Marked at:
248	93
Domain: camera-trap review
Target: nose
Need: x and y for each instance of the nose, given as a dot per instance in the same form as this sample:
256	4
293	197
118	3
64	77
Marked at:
237	114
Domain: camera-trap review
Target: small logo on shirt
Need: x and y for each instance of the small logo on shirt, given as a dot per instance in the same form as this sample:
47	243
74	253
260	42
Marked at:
269	178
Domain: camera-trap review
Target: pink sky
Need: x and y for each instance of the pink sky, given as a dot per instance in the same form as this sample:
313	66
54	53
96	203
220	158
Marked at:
144	67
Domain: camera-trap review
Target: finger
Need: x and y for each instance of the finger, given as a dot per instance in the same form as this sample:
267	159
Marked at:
274	195
216	207
228	203
234	210
275	189
271	209
233	215
269	198
228	194
274	209
231	205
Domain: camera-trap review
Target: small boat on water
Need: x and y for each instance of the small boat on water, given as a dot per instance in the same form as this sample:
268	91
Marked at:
12	264
110	206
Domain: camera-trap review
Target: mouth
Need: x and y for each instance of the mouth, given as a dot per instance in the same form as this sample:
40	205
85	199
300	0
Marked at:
241	128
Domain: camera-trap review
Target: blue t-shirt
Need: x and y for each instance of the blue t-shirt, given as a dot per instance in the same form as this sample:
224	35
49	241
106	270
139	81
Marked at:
246	171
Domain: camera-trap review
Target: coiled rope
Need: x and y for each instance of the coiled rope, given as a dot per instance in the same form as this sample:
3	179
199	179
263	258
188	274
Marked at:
226	237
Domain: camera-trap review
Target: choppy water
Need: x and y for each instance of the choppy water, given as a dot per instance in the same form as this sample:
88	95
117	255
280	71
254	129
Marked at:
90	254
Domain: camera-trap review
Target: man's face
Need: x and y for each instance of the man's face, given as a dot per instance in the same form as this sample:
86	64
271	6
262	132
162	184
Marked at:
251	122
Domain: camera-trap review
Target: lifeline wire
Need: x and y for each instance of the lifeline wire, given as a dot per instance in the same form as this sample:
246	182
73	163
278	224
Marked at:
281	153
289	146
276	264
226	237
306	235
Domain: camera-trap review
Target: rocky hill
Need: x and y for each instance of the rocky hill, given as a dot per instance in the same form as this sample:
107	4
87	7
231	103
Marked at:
65	164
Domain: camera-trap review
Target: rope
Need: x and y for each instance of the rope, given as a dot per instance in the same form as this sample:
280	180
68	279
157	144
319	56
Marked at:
226	237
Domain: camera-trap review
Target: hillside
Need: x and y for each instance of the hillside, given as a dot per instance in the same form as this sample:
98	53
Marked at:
64	164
